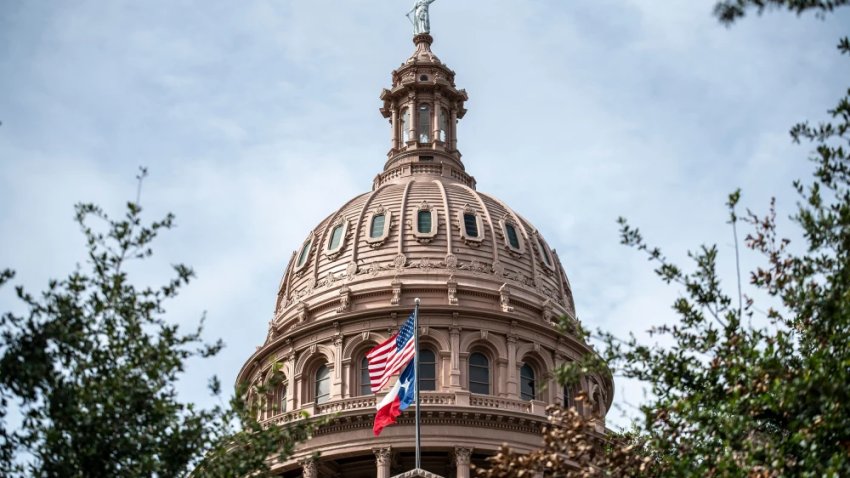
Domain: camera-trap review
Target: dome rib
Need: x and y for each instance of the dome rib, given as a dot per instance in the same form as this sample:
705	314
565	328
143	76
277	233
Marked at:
448	216
486	213
402	214
366	204
521	225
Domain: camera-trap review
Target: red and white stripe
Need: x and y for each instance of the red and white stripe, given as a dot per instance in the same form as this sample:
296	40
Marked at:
385	361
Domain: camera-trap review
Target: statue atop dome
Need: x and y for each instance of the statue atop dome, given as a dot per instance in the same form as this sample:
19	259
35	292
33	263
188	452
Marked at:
421	19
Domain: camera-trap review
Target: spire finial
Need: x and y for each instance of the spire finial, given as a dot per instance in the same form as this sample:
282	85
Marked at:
420	17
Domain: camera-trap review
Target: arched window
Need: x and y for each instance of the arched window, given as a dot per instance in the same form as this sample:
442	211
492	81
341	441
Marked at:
336	237
405	125
544	252
304	254
569	397
323	384
377	228
444	125
423	221
479	373
527	385
513	238
470	224
365	381
424	123
427	370
280	399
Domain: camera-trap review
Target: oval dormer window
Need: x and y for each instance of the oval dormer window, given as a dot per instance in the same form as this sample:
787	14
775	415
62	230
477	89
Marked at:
423	222
336	237
544	252
470	224
377	228
304	254
513	238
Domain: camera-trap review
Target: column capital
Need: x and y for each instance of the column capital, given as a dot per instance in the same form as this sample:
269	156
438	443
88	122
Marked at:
462	455
382	455
309	467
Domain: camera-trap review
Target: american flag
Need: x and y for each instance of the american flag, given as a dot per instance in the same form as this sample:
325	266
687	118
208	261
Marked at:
391	356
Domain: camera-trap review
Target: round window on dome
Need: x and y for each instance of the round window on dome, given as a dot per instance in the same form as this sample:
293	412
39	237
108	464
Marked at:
378	226
303	254
513	239
544	253
336	238
424	223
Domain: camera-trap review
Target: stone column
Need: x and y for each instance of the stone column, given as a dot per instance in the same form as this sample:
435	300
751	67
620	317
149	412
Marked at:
396	129
414	120
435	119
309	468
336	383
452	132
454	344
512	390
462	459
382	461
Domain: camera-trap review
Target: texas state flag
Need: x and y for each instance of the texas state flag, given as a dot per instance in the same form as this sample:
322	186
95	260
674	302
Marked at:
399	398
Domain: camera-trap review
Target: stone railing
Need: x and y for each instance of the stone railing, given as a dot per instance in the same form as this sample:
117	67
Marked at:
436	169
428	399
487	401
346	404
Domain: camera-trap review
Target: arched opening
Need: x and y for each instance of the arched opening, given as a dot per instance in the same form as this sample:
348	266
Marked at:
444	125
322	384
364	382
527	383
405	125
424	123
427	370
479	373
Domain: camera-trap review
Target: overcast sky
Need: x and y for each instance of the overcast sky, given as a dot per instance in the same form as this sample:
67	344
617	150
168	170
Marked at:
256	119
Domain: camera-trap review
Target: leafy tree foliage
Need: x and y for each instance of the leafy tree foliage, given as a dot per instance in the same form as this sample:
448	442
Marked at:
728	398
88	374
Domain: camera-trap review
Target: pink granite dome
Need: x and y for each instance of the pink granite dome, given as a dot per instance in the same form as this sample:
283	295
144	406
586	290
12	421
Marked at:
340	261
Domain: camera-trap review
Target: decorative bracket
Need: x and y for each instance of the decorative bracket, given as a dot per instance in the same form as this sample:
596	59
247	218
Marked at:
452	289
505	298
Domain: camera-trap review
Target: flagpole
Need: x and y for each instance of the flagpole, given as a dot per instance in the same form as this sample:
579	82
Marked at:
416	378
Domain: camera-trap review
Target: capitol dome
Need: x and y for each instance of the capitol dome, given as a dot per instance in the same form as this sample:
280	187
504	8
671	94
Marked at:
491	291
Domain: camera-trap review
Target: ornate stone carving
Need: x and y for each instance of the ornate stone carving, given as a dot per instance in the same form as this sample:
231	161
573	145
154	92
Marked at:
451	261
383	455
505	298
452	290
399	262
396	299
351	270
462	455
309	468
548	311
303	312
344	300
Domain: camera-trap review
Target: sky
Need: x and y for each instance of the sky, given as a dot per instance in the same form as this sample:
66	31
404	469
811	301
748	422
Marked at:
258	118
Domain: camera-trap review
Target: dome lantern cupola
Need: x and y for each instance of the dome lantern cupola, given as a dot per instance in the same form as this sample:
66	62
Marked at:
423	107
